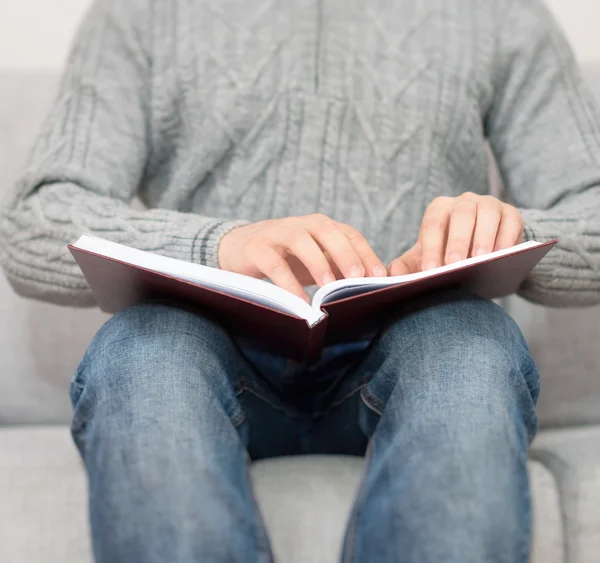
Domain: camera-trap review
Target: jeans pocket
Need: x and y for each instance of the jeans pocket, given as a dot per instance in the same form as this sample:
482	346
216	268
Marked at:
261	390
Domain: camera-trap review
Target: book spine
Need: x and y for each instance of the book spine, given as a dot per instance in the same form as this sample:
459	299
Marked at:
316	341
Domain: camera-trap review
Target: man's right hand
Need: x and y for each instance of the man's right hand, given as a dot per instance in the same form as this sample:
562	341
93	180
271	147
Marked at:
298	251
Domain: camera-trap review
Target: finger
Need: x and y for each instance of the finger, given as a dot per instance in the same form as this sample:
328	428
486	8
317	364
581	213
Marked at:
299	270
408	263
510	231
270	263
371	262
460	230
432	234
489	213
336	271
338	247
302	245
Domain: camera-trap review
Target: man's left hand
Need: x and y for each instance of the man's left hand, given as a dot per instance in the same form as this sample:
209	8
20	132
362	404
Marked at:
455	228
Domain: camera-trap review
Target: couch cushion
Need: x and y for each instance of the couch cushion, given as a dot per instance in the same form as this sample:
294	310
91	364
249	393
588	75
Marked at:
305	502
564	344
573	457
40	345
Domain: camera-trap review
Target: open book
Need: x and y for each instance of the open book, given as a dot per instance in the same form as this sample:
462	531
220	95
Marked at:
273	318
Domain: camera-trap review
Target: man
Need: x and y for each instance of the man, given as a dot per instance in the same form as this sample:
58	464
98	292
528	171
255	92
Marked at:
302	141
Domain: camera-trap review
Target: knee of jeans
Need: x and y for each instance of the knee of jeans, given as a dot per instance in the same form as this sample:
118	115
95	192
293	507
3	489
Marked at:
158	351
452	350
153	318
459	328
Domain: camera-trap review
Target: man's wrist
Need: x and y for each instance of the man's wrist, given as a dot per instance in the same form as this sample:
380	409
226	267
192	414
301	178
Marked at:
205	249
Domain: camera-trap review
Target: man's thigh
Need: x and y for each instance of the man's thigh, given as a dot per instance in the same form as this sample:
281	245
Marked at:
445	353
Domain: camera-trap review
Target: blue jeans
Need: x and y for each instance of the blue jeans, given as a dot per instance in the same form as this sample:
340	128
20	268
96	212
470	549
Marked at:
169	410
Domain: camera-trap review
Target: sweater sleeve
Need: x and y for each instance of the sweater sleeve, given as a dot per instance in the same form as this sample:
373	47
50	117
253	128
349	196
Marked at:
88	163
544	129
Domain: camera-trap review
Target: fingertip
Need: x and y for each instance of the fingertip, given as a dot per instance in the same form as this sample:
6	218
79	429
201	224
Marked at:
453	257
398	269
327	278
356	272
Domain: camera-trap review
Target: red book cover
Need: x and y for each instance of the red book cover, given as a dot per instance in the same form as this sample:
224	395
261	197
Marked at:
118	284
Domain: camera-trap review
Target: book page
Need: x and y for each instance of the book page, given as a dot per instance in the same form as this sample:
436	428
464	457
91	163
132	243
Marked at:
341	289
245	287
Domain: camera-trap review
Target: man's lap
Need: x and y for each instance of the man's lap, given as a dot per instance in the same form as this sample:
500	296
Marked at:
334	405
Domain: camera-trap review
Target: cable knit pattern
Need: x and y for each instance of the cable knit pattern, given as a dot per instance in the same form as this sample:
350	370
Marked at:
219	113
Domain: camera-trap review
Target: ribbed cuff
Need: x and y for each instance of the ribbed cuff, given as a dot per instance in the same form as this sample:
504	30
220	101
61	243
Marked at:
542	228
528	233
568	274
205	246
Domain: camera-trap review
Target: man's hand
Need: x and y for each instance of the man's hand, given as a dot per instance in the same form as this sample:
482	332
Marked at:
298	251
456	228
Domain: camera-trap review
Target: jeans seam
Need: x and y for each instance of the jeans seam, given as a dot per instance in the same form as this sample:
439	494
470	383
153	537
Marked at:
246	384
372	402
77	426
238	417
360	384
532	419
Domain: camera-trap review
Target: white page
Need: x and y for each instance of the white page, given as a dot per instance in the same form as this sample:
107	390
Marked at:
258	291
342	289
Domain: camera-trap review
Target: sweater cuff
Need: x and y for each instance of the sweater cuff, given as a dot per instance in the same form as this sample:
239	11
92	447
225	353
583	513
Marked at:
568	274
538	227
528	232
205	246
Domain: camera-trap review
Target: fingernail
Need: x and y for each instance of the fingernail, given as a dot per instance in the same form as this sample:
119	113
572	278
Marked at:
480	252
327	278
453	257
430	266
355	272
379	271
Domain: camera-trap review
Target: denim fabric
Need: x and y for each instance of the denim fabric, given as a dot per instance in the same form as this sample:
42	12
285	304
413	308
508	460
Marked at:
169	410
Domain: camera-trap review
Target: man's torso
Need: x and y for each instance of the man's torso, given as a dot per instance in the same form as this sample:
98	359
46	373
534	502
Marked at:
362	111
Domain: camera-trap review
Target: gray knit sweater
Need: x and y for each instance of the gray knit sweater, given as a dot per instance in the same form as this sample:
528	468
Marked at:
214	113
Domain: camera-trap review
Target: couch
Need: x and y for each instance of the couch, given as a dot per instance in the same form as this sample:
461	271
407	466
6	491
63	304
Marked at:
305	500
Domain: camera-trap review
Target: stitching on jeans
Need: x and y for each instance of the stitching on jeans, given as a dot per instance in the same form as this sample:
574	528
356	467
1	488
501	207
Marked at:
78	424
238	417
362	382
248	385
371	401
